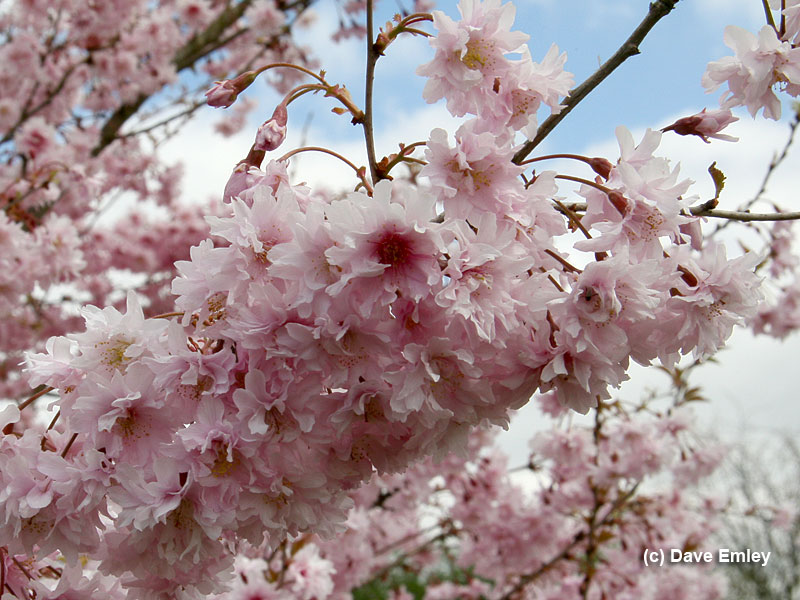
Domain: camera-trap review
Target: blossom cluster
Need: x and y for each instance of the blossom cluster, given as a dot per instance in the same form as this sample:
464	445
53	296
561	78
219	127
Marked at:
761	63
470	527
88	90
318	341
472	71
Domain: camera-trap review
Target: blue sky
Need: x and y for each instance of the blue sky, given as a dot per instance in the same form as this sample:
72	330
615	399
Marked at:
662	81
753	381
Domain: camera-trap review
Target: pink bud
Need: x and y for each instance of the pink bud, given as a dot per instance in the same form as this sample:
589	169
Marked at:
272	133
222	95
705	125
619	201
601	166
239	181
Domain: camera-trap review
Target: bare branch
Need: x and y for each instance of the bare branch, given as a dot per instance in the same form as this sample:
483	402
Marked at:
658	10
702	210
372	59
744	216
196	48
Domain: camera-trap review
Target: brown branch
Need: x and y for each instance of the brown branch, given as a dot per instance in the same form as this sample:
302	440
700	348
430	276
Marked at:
196	48
51	95
167	315
115	122
205	42
372	59
658	10
42	390
564	262
165	121
702	210
744	216
400	559
71	441
3	571
21	567
526	579
360	172
770	20
574	219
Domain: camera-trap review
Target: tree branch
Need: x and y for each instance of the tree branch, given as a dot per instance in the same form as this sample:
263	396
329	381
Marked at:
744	216
658	10
196	48
206	42
777	159
27	113
372	59
768	13
703	210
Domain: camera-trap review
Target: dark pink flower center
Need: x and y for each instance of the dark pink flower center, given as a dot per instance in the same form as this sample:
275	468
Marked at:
393	249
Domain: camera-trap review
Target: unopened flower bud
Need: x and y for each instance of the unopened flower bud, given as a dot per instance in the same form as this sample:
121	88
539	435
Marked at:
619	201
224	93
272	133
705	125
601	166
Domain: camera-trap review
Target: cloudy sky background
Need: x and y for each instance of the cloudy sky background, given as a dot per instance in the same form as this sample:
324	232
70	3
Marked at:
752	390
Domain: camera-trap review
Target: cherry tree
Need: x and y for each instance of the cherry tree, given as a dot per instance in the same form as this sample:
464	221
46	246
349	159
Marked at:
316	345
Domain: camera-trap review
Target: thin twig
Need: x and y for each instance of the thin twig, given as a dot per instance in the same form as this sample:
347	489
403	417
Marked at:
184	113
782	30
564	262
658	10
3	571
773	166
49	427
359	171
730	215
293	66
399	560
69	445
405	539
526	579
21	567
167	315
51	95
768	13
744	216
576	221
372	59
44	390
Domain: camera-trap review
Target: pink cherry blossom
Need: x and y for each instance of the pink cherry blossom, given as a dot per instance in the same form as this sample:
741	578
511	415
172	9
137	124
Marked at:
760	62
470	54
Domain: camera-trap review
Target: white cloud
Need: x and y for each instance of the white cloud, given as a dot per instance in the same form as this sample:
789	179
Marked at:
208	158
